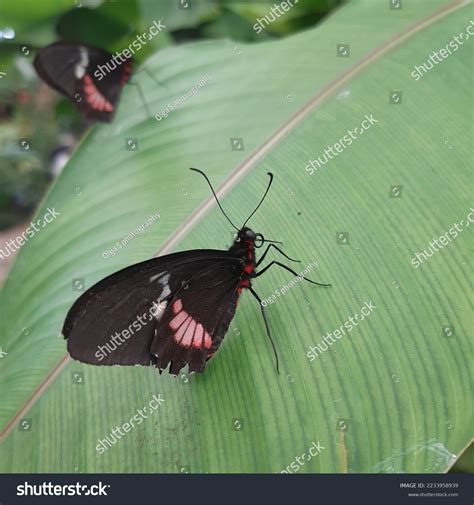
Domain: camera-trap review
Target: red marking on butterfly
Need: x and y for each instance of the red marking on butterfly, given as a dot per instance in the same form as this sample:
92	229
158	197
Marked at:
127	70
177	306
189	332
94	97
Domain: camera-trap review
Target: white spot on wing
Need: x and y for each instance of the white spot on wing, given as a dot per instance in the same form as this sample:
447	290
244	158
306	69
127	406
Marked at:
166	287
153	278
159	308
80	68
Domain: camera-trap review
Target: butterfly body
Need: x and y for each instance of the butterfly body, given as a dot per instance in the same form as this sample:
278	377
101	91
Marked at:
244	248
169	311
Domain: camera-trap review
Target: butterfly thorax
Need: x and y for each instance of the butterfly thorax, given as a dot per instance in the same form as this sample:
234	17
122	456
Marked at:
244	248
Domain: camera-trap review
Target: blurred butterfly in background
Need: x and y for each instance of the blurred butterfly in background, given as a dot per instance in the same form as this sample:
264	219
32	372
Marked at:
91	78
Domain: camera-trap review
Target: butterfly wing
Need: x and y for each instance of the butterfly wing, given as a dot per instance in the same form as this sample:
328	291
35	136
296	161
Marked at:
74	71
198	317
55	64
129	318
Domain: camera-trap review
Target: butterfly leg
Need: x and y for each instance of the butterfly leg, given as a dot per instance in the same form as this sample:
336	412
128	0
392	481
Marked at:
152	77
289	270
142	96
267	327
279	250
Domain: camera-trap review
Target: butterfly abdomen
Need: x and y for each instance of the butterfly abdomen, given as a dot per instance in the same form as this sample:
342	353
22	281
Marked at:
248	270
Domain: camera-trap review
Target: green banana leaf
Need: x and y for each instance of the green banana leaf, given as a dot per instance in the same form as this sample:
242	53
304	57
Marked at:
391	394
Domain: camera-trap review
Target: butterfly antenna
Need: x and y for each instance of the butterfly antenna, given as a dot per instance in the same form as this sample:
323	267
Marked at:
263	198
215	196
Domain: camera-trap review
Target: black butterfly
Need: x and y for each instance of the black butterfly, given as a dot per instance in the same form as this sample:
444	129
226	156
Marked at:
90	77
173	309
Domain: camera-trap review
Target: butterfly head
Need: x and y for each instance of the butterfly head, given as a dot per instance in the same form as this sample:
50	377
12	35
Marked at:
248	237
